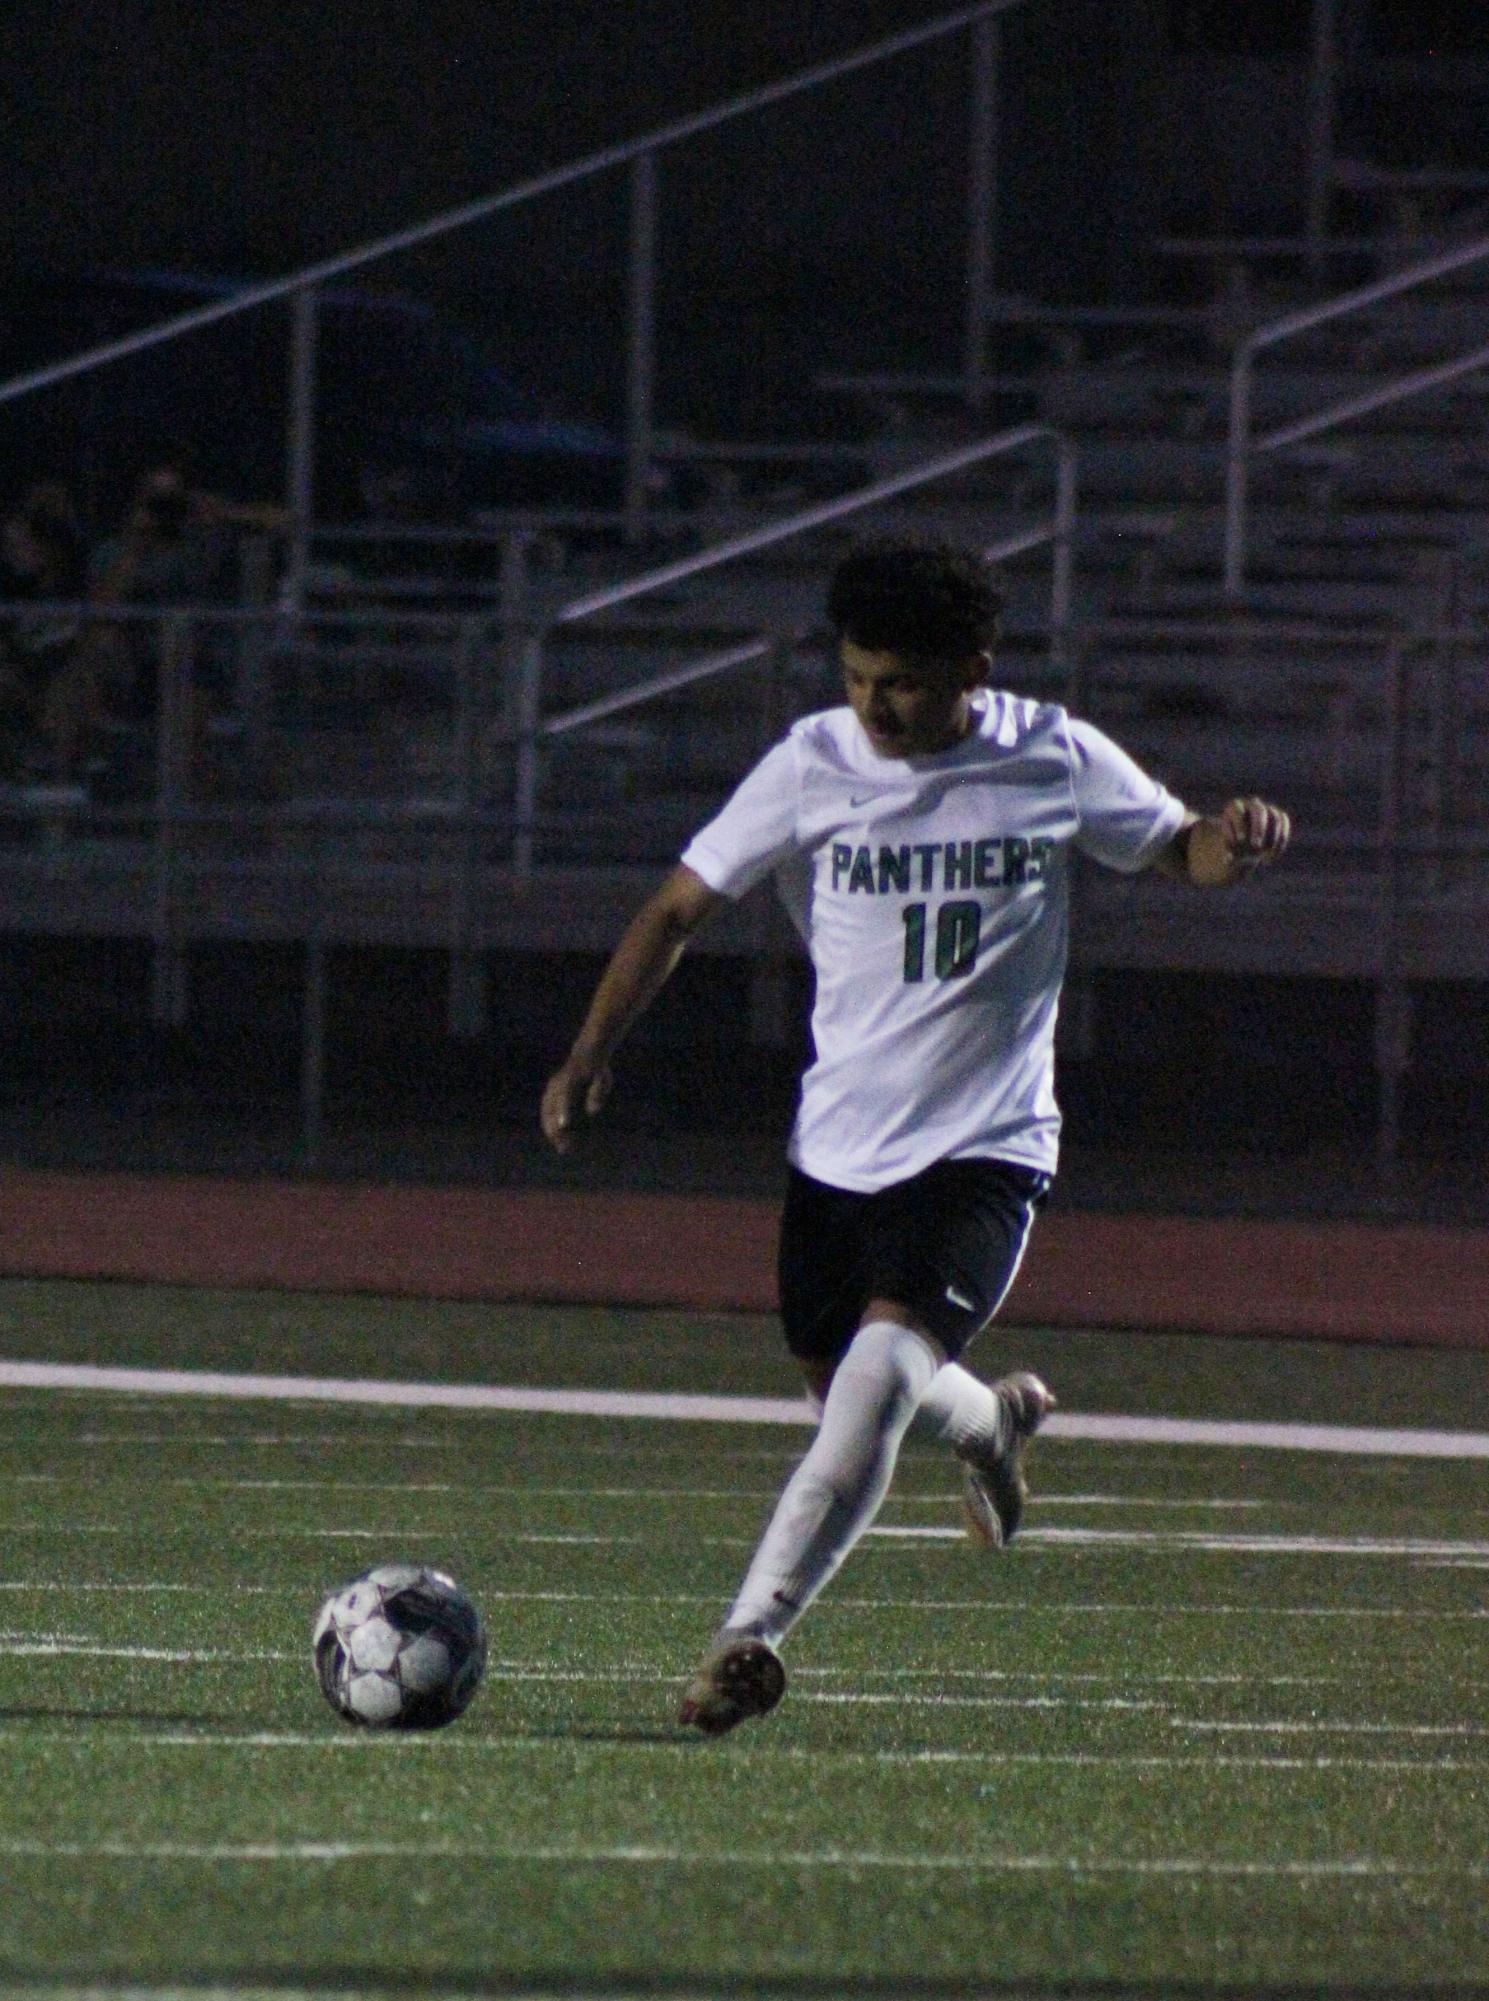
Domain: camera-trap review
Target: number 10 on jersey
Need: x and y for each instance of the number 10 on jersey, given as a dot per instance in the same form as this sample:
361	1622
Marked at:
958	928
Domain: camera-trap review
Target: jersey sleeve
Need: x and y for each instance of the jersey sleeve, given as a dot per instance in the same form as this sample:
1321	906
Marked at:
756	828
1123	816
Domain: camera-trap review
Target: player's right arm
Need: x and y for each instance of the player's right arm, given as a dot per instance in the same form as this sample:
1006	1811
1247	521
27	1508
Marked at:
650	948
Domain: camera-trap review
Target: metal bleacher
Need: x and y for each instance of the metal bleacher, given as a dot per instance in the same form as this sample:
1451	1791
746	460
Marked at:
500	761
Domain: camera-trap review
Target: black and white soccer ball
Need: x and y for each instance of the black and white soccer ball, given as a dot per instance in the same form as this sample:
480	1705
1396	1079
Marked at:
399	1648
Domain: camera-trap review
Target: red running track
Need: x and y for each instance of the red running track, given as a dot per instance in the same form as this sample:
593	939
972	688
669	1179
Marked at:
1341	1281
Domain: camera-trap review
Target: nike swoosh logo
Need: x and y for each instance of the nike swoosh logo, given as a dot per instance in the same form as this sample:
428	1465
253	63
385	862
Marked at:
864	801
960	1299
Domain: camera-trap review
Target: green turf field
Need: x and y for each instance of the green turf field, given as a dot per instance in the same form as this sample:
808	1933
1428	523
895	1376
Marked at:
1217	1720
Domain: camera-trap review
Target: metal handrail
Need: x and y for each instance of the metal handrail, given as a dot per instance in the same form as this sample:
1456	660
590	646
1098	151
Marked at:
449	220
642	692
639	156
1060	532
828	511
1416	384
1240	445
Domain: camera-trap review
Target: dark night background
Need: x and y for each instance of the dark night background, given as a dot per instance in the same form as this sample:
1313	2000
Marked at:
250	140
247	141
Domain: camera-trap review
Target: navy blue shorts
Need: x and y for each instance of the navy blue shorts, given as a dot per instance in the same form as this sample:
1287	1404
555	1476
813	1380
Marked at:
946	1243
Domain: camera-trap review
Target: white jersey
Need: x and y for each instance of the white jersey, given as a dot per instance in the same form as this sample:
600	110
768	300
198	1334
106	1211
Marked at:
932	896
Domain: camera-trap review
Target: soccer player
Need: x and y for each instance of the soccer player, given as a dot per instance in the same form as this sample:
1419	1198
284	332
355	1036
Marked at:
920	838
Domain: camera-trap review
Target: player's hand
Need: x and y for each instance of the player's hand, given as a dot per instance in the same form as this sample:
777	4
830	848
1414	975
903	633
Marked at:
1253	832
570	1093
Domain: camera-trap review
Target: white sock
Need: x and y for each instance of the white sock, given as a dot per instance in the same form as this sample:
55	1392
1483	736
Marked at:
963	1413
836	1490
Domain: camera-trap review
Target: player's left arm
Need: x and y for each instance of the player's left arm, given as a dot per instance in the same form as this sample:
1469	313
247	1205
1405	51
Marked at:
642	963
1215	849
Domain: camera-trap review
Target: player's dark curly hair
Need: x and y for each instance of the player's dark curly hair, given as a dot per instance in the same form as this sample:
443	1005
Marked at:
914	597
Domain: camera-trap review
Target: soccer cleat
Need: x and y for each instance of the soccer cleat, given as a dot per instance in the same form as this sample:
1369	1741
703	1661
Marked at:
740	1678
994	1491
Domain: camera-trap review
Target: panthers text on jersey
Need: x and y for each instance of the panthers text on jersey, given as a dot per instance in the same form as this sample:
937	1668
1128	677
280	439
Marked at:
932	895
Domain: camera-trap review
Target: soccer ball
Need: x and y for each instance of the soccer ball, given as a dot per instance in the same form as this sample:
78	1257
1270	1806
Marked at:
399	1648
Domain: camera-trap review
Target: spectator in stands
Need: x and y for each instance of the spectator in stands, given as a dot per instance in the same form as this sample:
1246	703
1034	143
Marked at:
174	551
41	574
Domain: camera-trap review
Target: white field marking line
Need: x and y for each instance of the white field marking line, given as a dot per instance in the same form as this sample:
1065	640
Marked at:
651	1671
95	1991
505	1491
1061	1678
512	1490
898	1697
400	1743
294	1534
53	1584
978	1606
40	1648
1147	1541
370	1436
1314	1728
901	1699
678	1406
409	1395
782	1455
1049	1500
964	1861
507	1536
1210	1542
648	1671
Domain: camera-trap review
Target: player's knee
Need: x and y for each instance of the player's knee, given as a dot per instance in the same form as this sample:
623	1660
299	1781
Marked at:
895	1313
891	1369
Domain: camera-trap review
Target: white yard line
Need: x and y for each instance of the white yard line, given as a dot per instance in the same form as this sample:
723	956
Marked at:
779	1455
1315	1726
505	1491
964	1861
1211	1542
254	1438
465	1744
24	1585
408	1395
980	1606
44	1648
229	1483
1032	1540
540	1670
1058	1500
899	1699
681	1407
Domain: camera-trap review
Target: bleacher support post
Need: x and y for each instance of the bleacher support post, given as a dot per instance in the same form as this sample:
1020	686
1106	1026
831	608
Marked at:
300	446
1076	1023
1393	1001
529	707
770	966
1237	470
1322	97
172	751
1062	576
253	695
466	1007
641	342
982	206
1394	1011
313	1016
